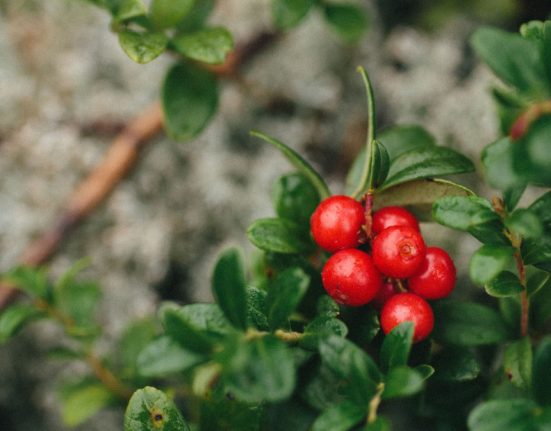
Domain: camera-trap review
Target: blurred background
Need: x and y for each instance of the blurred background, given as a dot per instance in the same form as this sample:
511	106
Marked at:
67	89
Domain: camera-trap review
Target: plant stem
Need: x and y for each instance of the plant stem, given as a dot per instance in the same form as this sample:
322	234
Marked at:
516	242
291	337
374	404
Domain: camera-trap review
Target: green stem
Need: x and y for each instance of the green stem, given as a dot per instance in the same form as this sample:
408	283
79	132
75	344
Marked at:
366	180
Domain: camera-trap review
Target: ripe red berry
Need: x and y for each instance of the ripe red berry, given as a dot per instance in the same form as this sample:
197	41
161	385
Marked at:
435	278
387	291
350	277
393	216
337	222
405	307
398	251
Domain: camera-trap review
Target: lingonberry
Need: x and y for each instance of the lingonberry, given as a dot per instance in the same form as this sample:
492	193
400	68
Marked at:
387	291
337	222
435	278
405	307
350	277
393	216
398	251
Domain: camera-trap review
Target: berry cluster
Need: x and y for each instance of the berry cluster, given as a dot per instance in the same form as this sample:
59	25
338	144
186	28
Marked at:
389	266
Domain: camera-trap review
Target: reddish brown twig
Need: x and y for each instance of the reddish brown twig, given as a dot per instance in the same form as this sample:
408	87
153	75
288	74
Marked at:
119	160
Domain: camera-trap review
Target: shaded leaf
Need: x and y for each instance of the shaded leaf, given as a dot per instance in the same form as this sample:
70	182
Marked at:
456	365
396	346
467	324
532	157
525	223
295	199
497	160
81	401
229	287
401	139
256	308
149	409
163	357
284	295
500	415
505	284
189	98
13	318
340	417
33	281
517	363
320	328
541	378
78	301
402	382
261	369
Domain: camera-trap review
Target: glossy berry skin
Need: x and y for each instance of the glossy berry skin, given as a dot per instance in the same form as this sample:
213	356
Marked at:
405	307
398	251
350	277
393	216
436	276
387	291
337	222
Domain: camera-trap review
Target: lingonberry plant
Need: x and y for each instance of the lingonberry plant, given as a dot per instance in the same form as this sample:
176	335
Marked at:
332	329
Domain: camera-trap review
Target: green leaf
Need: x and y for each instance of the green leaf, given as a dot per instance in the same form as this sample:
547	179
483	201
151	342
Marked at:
379	165
124	10
295	199
517	363
348	21
467	324
80	402
133	340
190	98
419	195
517	61
505	284
473	214
79	301
532	157
525	223
401	139
256	308
353	365
380	424
488	261
299	163
149	409
541	378
284	295
164	356
319	328
402	382
195	326
210	45
33	281
195	19
540	300
536	281
532	30
396	346
167	13
257	370
142	47
340	417
501	415
13	318
497	160
289	13
542	208
456	365
512	196
425	370
229	287
278	235
426	162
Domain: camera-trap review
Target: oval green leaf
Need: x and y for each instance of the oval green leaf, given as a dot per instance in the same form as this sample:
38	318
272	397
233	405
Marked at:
142	47
284	295
488	261
210	45
505	284
278	235
166	13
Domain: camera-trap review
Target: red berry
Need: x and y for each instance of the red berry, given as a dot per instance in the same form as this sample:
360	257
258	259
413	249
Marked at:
337	222
387	291
435	278
398	251
393	216
405	307
350	277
